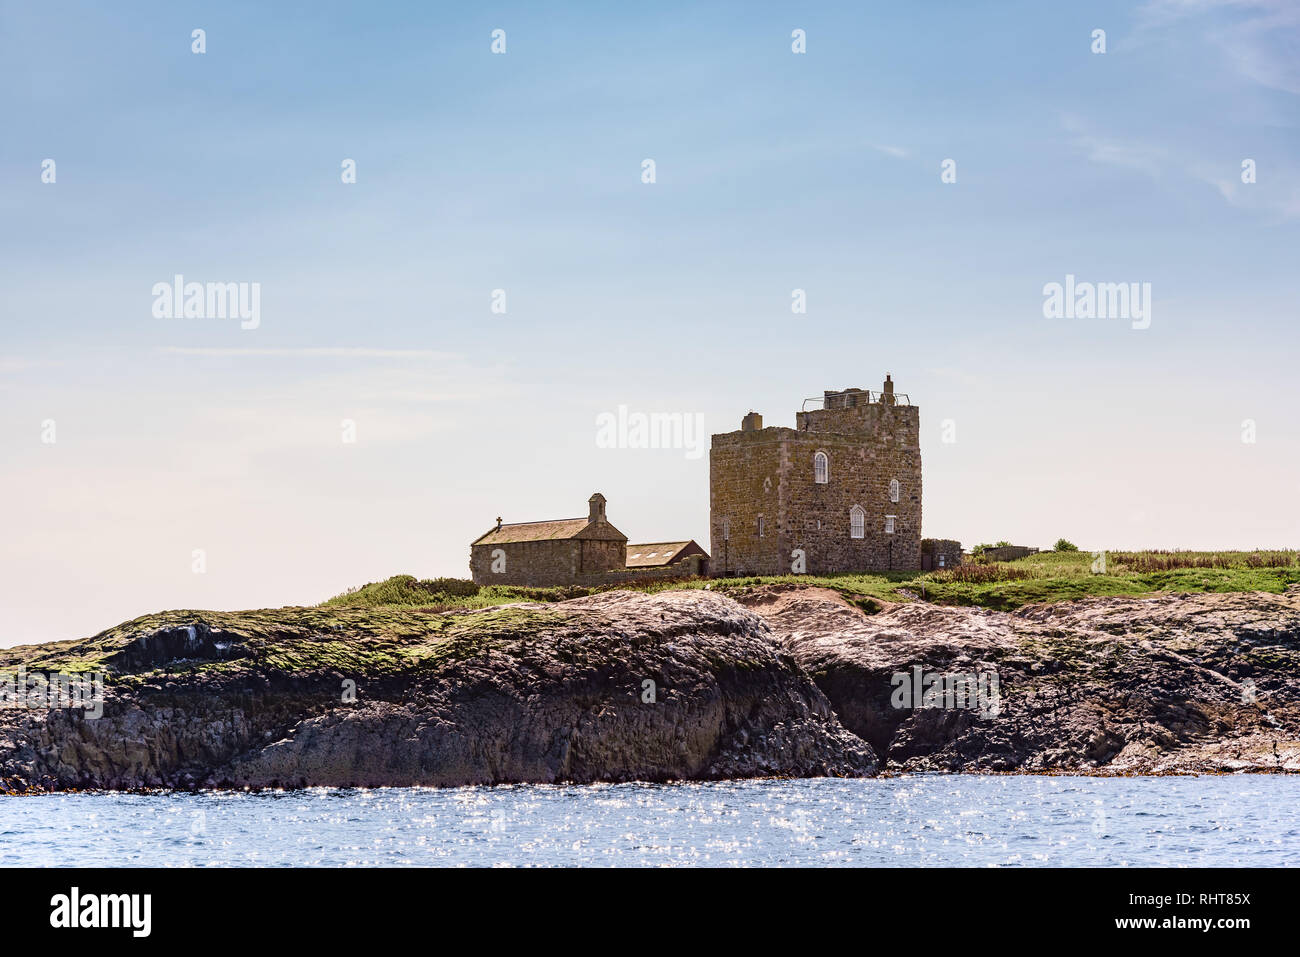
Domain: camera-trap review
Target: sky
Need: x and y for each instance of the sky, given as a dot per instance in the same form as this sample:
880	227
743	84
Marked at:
382	410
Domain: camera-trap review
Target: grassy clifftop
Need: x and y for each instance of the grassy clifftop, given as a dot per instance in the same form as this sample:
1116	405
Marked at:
387	626
375	640
394	684
1060	576
1048	576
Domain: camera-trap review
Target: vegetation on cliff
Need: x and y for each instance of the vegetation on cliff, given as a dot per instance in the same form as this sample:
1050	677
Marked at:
409	681
365	641
1044	577
615	687
389	625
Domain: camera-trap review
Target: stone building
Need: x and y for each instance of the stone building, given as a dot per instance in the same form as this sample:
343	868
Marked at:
663	554
576	551
839	492
548	553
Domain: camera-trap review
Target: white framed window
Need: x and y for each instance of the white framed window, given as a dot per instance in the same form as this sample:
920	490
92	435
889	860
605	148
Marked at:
726	529
760	526
857	522
889	524
894	490
821	468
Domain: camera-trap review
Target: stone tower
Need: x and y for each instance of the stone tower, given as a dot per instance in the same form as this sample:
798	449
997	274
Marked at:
839	492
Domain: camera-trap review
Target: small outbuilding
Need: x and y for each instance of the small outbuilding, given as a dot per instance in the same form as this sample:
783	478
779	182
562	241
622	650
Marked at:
661	554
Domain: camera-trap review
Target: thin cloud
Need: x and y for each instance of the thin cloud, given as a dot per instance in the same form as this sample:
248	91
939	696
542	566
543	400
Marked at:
332	352
1259	39
1109	151
1280	199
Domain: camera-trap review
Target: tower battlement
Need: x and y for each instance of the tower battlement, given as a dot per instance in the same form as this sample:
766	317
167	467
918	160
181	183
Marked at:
854	410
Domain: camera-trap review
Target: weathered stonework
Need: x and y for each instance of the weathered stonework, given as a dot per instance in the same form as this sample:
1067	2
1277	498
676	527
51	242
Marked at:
567	551
549	553
940	553
545	562
692	566
768	511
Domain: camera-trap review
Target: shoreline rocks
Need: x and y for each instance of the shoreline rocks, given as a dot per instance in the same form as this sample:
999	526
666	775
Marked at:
1204	683
786	681
614	687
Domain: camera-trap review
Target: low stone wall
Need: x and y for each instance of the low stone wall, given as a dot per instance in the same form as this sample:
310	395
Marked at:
1008	553
940	553
693	566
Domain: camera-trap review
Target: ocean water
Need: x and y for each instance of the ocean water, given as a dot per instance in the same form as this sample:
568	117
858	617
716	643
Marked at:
911	821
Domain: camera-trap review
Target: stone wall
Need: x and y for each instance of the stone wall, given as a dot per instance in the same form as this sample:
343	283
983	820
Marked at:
744	484
1008	553
768	473
572	561
547	562
692	566
940	553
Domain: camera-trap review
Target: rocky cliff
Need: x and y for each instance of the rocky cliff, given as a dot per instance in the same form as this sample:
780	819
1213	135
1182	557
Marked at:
616	687
679	685
1169	684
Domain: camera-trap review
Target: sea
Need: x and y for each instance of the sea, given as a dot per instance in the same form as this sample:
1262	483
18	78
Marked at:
905	821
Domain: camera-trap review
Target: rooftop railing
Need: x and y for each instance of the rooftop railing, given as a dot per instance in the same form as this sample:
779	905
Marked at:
859	398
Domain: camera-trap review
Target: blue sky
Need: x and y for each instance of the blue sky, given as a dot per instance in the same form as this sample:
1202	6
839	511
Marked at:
521	172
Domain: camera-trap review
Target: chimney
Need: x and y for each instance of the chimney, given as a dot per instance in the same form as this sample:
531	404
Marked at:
596	508
752	422
887	393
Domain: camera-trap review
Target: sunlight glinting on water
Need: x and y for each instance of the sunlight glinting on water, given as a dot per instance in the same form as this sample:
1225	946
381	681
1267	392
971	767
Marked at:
907	821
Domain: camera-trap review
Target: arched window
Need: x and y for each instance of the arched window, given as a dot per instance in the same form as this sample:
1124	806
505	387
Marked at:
821	468
857	522
760	526
893	490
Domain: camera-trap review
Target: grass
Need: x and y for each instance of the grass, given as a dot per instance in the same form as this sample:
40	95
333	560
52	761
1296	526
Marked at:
352	640
390	626
1044	577
1061	576
445	594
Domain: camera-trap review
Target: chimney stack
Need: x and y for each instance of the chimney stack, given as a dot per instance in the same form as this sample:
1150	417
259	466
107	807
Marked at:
752	422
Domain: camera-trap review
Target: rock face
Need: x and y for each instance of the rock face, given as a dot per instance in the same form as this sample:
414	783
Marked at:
684	685
615	687
1171	684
